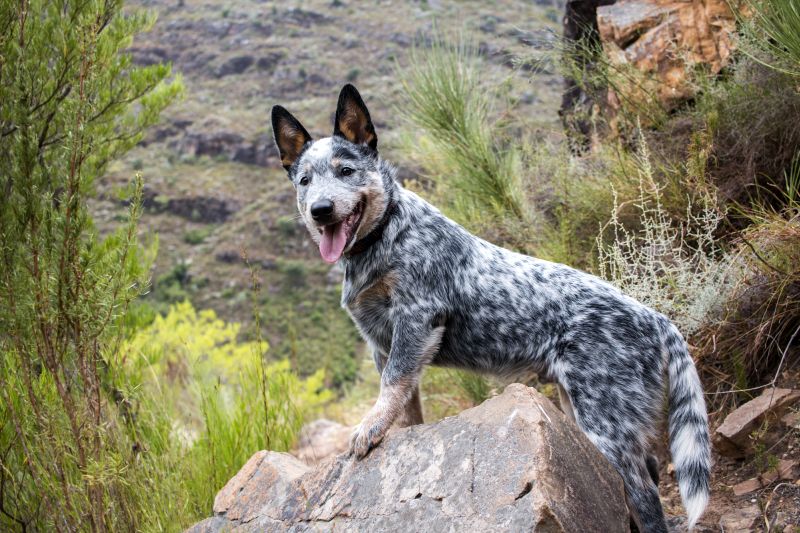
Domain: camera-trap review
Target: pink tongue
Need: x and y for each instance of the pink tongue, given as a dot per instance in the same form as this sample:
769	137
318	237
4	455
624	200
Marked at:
332	243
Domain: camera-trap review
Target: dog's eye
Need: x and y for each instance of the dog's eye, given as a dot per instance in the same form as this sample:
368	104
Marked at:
346	171
304	181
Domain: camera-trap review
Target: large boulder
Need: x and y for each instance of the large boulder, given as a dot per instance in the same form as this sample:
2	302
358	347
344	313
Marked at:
666	39
514	463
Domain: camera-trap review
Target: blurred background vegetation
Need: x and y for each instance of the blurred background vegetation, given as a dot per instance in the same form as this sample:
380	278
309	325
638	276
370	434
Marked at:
163	315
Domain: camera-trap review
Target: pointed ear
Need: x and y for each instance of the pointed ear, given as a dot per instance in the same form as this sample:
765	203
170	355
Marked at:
352	119
290	135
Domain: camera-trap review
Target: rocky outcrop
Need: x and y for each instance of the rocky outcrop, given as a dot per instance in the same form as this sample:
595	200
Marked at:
666	39
225	144
656	44
514	463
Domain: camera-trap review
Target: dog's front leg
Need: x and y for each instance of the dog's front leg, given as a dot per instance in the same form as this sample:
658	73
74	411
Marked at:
412	347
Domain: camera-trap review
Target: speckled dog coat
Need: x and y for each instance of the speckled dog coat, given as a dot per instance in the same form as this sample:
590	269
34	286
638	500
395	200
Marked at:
422	290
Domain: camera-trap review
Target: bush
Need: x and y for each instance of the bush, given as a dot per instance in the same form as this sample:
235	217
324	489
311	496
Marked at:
224	401
69	460
762	316
775	29
678	270
465	153
751	116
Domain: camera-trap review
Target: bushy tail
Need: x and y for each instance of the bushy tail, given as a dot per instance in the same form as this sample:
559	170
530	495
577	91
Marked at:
688	425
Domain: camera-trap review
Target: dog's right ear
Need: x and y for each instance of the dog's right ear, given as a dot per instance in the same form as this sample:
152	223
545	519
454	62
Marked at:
290	136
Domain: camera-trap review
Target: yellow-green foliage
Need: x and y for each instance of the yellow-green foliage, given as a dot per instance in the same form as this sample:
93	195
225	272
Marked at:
224	401
198	352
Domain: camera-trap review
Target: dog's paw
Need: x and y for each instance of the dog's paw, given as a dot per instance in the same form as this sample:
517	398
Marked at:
365	437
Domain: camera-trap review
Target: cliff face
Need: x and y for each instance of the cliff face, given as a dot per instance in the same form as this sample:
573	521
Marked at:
514	463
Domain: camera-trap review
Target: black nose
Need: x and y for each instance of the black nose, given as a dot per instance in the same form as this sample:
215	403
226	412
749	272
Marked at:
321	210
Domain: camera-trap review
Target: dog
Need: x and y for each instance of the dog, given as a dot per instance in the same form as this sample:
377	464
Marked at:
422	290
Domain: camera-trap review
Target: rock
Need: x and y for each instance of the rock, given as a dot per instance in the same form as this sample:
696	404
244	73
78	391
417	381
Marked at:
303	18
322	438
514	463
667	39
732	438
792	419
207	209
788	469
578	99
741	519
226	144
269	61
746	487
234	65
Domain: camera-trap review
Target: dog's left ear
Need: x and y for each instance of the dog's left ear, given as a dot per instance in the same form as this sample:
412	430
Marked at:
352	119
290	136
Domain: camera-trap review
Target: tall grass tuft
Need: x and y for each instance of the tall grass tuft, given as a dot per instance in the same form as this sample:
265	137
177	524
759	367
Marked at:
777	27
449	110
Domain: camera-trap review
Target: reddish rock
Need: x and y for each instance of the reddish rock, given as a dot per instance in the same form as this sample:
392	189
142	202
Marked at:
746	487
742	519
664	39
732	438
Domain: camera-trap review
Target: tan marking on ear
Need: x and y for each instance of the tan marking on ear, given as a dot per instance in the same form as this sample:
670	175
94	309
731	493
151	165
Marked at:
352	123
292	142
347	132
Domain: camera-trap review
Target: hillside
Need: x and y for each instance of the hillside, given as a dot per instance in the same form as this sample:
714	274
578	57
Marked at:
214	187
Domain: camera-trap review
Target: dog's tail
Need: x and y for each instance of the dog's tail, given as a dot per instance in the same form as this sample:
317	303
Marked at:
688	424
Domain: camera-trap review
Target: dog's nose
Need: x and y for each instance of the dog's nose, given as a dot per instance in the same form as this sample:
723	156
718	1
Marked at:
321	210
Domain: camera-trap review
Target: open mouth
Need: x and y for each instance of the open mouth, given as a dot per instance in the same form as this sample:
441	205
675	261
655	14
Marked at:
337	236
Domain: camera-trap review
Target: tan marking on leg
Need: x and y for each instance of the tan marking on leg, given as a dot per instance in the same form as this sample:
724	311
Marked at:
412	415
373	428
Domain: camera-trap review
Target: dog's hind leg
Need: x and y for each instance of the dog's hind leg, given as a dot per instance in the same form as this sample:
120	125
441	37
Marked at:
413	411
641	493
566	404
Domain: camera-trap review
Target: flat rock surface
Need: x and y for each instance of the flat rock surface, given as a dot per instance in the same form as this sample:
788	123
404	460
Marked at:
732	437
513	463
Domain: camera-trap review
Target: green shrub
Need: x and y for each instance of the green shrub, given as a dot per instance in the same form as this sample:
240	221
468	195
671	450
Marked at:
72	101
223	400
448	108
751	115
675	268
197	236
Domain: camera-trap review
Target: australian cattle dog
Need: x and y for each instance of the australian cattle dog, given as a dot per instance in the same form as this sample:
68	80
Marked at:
422	290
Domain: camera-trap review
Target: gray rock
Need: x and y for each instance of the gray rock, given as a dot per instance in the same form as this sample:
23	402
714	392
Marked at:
514	463
234	65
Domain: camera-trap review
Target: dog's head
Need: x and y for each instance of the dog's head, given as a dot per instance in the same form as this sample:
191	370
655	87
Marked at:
340	191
